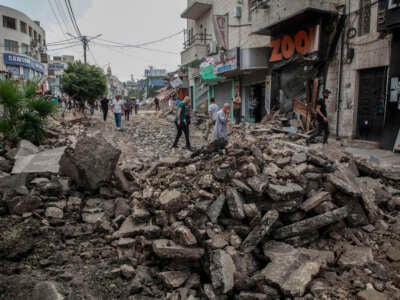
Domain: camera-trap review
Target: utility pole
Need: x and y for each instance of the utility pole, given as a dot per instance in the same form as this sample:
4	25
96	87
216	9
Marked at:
85	43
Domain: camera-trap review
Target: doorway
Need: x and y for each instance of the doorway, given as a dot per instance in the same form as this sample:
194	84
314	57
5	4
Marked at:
255	104
371	104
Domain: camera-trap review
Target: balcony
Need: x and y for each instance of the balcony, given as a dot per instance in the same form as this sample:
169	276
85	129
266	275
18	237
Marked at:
266	20
196	48
196	9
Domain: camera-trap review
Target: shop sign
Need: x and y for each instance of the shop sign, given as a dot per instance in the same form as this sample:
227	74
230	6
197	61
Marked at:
302	42
227	61
21	60
221	30
56	67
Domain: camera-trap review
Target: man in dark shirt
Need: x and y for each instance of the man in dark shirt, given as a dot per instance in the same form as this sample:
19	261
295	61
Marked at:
322	119
104	107
181	123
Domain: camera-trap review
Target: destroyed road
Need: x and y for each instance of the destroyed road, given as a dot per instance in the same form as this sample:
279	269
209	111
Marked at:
120	215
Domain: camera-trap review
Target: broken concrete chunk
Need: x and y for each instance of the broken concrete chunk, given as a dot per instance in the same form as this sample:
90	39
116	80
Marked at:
355	256
222	270
172	200
46	290
235	204
371	294
293	269
130	229
344	183
168	249
54	212
259	231
90	171
284	192
25	148
183	235
311	224
315	200
173	279
23	204
241	186
258	183
47	161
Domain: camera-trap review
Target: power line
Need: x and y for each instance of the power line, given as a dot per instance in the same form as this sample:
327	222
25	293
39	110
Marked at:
137	47
66	47
72	17
143	44
57	19
61	12
63	42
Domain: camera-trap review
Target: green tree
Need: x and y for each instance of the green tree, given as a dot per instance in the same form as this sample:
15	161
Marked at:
24	113
84	82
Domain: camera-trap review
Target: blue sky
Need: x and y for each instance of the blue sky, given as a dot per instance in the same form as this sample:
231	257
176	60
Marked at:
126	21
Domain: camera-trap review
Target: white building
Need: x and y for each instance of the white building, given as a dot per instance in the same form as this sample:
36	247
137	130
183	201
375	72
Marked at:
22	45
56	68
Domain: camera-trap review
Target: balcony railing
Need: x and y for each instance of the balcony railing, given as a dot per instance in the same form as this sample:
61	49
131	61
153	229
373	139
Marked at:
198	38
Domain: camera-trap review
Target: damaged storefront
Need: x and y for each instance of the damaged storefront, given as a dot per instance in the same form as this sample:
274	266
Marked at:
300	50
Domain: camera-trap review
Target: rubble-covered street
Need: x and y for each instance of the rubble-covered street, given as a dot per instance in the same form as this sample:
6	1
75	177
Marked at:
126	217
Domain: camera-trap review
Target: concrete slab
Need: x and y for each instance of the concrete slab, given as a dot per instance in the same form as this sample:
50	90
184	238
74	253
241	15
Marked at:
42	162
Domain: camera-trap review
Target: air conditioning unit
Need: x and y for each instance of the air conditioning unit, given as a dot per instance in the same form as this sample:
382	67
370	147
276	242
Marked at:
237	12
212	47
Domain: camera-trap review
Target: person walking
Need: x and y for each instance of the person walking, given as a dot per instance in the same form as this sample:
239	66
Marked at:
220	131
237	109
181	123
157	104
127	108
137	103
117	107
212	114
322	119
104	107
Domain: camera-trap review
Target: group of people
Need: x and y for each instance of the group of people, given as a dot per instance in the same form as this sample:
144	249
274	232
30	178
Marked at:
120	106
218	119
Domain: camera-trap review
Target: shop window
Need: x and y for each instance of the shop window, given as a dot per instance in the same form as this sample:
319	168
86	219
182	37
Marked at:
9	22
11	46
365	17
24	49
23	27
30	31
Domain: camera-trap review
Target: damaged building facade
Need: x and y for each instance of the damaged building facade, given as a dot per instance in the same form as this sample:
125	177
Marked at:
280	54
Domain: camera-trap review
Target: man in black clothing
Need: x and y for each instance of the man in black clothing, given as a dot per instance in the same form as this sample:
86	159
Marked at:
104	107
322	118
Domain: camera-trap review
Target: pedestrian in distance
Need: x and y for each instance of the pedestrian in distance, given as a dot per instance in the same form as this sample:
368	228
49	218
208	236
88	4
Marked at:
212	114
322	119
117	107
104	107
137	103
180	123
157	104
237	109
220	131
128	108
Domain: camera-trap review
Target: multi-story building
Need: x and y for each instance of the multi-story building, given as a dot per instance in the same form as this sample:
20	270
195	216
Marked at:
283	53
22	45
154	80
114	86
56	68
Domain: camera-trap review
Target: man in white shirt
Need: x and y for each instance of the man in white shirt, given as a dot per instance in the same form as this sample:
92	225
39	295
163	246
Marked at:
117	107
212	112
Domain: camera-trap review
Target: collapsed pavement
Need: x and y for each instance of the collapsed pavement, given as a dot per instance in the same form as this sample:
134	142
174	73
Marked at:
264	218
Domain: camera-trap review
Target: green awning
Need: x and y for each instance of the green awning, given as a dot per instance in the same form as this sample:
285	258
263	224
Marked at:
208	75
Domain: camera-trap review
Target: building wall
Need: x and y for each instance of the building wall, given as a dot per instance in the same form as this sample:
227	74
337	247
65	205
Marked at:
370	51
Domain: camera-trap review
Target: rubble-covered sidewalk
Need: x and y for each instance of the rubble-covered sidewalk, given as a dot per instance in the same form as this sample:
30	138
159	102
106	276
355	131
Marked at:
118	215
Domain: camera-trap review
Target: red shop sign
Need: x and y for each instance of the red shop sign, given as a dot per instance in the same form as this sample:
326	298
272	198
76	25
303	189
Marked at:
302	42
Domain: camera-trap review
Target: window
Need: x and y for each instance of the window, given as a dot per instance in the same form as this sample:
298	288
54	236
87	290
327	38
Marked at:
35	35
40	39
364	26
23	27
24	49
11	46
30	31
9	22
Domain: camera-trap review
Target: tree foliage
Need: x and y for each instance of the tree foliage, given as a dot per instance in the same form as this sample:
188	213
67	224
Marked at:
84	82
24	113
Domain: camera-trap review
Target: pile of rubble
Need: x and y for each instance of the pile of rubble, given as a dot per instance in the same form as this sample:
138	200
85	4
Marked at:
264	218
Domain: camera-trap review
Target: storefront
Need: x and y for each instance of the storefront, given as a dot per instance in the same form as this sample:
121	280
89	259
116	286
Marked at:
21	67
300	50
